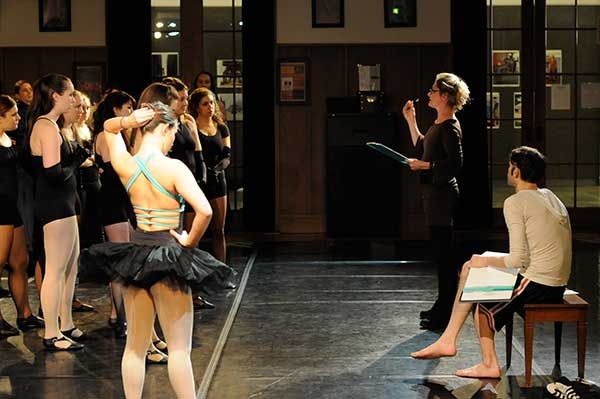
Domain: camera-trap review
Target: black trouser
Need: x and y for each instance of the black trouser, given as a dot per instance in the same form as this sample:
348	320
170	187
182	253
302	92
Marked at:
443	254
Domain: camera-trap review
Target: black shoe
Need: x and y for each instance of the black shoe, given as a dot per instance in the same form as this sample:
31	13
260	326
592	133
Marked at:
79	306
201	303
6	330
426	314
50	344
434	324
75	333
27	323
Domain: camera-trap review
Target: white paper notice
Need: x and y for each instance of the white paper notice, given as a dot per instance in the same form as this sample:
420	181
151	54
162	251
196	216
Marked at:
369	77
560	97
590	95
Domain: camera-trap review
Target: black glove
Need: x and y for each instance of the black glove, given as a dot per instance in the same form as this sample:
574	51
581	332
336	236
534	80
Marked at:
201	171
224	161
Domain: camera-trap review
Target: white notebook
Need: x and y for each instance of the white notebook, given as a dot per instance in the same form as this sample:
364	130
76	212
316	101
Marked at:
490	283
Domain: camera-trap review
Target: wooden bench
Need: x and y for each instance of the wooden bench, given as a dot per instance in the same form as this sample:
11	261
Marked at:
573	308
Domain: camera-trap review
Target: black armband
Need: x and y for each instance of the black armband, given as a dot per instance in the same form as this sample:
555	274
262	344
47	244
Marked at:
224	161
55	173
226	152
201	171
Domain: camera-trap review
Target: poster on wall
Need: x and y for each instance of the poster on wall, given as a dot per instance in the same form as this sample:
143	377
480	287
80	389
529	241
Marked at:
293	83
560	97
493	109
89	78
229	74
553	67
233	110
505	67
517	101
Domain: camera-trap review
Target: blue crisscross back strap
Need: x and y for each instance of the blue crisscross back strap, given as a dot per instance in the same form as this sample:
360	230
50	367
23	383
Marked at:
169	218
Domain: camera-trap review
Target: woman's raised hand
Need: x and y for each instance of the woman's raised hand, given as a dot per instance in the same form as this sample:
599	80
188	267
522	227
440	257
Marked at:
140	117
409	111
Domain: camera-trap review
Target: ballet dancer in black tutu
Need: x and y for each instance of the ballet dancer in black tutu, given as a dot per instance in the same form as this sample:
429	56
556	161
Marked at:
162	264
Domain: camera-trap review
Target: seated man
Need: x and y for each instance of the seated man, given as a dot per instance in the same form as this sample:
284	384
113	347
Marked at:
539	234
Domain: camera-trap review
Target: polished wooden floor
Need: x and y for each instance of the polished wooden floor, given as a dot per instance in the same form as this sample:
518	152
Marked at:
311	319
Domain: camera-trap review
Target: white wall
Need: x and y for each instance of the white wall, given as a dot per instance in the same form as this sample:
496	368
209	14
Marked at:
19	25
364	23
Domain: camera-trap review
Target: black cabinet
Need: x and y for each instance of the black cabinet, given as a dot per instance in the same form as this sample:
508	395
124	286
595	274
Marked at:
363	186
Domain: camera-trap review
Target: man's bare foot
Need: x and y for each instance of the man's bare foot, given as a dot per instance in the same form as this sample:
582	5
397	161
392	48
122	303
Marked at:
479	371
435	350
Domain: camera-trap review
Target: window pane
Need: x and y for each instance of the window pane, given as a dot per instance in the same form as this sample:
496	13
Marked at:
218	47
588	52
506	40
562	42
238	18
588	187
505	16
218	18
587	15
560	142
559	179
500	190
588	141
502	144
560	16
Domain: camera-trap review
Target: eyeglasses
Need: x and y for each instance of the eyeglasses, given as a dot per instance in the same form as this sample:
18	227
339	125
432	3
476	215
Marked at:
433	91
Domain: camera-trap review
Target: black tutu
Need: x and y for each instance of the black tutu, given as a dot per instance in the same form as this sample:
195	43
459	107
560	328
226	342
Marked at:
149	258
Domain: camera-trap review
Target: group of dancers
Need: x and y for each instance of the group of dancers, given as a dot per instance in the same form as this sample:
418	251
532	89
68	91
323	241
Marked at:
157	201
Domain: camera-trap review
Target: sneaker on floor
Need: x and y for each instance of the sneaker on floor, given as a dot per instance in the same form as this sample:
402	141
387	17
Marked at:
560	390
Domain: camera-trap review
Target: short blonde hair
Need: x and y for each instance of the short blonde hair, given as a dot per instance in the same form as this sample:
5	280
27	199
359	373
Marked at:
456	89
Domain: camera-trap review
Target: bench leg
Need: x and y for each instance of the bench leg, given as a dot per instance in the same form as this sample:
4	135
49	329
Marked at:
528	351
508	329
581	338
557	341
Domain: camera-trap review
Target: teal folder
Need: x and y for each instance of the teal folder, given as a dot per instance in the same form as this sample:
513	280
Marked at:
384	149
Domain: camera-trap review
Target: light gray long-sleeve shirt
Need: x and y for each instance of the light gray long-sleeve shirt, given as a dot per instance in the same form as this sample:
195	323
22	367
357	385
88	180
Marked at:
539	232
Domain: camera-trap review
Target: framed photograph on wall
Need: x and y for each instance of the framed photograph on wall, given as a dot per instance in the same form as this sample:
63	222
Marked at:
505	67
553	67
400	13
54	15
327	13
493	109
89	78
233	110
293	81
517	101
229	74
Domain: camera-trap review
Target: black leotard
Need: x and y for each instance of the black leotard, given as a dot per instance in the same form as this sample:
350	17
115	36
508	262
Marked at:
212	148
54	200
115	206
183	149
9	214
